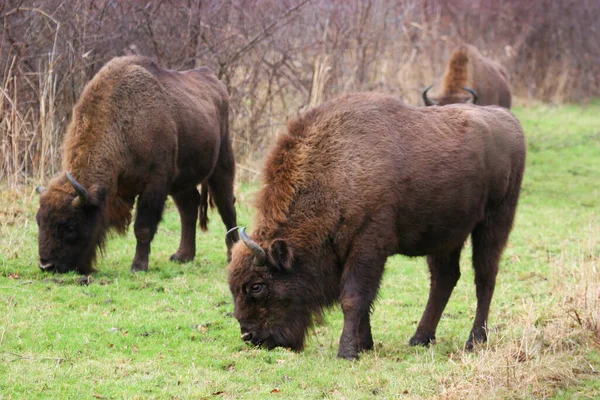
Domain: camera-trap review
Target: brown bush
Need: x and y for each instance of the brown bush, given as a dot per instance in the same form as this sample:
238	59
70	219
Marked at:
276	57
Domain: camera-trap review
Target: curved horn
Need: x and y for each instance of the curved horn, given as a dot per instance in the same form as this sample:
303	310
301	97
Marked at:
229	232
473	93
40	189
260	257
426	99
83	194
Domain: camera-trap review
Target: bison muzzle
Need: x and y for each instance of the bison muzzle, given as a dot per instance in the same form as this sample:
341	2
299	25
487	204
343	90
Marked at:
359	179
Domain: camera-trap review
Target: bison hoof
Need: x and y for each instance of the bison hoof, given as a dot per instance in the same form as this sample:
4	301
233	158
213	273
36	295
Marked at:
348	355
474	339
366	345
179	258
422	339
139	267
85	280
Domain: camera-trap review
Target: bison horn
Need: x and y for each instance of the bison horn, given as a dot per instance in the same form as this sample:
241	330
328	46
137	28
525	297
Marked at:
40	189
473	93
426	99
260	257
229	232
83	194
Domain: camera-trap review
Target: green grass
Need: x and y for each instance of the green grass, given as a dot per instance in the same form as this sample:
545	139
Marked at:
169	333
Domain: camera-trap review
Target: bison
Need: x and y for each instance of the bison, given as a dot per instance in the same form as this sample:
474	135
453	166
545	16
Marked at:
361	178
472	78
138	131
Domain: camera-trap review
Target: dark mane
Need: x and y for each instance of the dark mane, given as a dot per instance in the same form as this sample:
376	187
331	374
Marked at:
457	75
283	174
281	179
470	76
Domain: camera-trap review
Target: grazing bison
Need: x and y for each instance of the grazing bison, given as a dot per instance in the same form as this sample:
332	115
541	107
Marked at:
472	78
138	131
357	180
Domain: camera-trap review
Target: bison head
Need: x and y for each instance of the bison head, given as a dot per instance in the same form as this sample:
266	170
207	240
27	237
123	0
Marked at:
468	96
71	226
273	297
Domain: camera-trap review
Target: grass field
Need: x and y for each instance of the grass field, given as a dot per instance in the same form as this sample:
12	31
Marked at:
169	333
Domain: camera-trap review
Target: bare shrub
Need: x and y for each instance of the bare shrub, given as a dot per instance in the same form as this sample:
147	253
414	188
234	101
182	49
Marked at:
276	57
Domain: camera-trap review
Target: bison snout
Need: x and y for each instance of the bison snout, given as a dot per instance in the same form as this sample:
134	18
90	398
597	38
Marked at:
46	265
246	334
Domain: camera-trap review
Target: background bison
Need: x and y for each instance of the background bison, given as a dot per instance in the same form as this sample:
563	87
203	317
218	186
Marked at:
364	177
471	77
137	131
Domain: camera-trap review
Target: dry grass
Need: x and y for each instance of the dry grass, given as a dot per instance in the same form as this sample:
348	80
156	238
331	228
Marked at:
556	334
550	352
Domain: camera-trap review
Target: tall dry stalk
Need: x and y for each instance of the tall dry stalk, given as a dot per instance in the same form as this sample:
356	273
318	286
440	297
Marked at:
7	112
320	78
16	133
47	112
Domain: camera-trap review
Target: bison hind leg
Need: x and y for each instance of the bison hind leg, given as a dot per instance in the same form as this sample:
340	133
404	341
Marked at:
445	272
489	239
187	204
221	191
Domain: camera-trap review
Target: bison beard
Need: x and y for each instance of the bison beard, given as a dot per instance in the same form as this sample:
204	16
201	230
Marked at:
361	178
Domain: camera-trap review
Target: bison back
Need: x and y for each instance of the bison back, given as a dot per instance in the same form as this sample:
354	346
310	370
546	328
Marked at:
427	174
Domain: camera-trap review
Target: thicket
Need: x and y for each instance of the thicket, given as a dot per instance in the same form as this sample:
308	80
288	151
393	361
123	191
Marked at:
277	57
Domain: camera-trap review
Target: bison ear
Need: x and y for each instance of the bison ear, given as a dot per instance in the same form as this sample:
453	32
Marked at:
280	255
98	195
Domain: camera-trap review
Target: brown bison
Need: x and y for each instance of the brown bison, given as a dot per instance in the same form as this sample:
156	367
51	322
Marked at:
361	178
138	131
472	78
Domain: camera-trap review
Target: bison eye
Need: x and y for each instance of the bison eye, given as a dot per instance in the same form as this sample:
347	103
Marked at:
70	233
257	288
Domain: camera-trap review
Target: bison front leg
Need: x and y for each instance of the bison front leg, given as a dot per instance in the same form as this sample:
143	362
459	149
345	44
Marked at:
365	338
221	188
445	272
150	206
360	285
187	204
349	341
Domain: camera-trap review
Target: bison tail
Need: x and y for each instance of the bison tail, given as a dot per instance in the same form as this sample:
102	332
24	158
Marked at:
203	209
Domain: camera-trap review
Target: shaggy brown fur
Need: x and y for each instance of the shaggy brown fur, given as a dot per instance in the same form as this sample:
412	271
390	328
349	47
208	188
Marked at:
468	68
138	131
361	178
